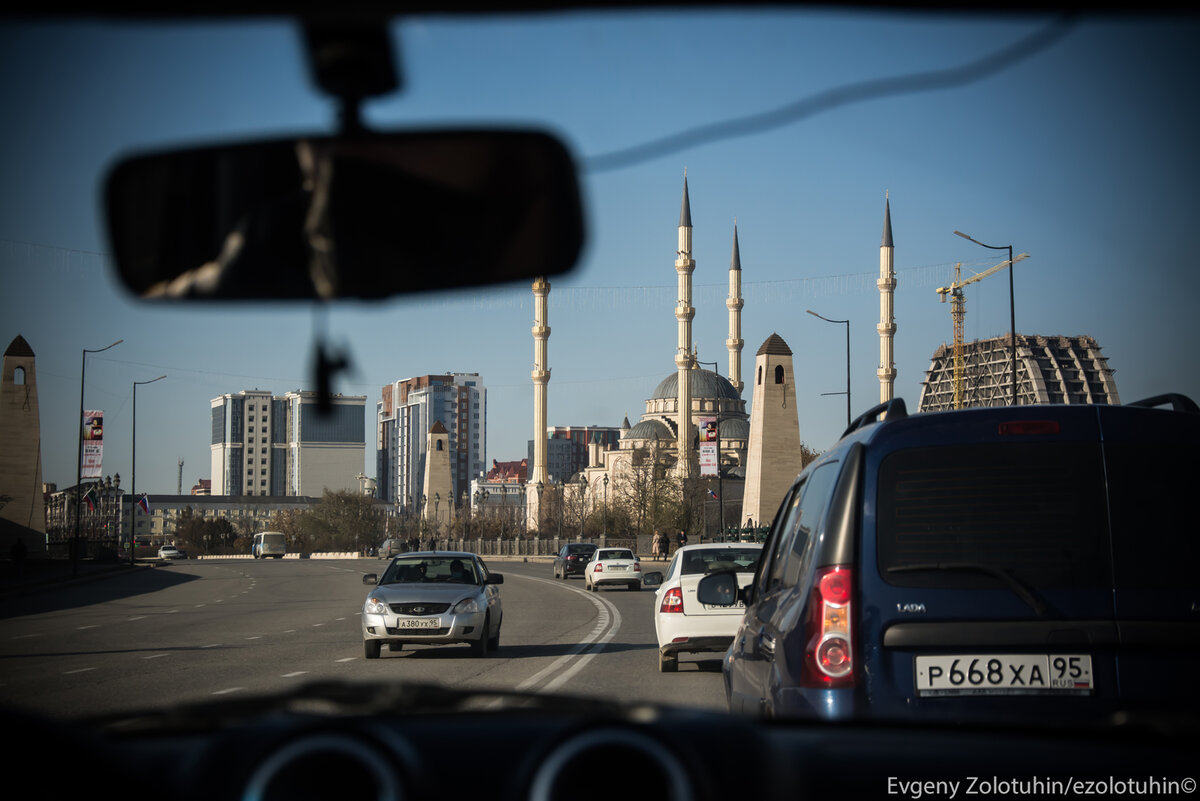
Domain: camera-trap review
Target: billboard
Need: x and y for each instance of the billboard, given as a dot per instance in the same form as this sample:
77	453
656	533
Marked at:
93	444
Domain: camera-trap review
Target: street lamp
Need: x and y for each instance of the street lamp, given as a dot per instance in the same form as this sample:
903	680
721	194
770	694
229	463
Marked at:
1012	314
133	472
583	482
79	458
847	393
540	486
606	508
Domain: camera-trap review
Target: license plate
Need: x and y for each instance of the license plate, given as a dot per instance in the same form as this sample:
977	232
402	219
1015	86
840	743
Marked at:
1004	674
618	567
419	623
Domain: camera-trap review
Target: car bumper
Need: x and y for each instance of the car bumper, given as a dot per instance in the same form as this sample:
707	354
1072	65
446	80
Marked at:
698	645
451	628
673	628
634	579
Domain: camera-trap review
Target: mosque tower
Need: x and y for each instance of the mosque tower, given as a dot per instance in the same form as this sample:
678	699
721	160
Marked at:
734	303
773	457
684	312
538	473
887	318
20	452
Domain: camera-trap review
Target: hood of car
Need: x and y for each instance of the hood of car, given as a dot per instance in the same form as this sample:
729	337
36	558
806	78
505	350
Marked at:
410	593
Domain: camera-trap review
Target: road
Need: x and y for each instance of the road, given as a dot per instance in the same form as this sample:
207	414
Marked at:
199	630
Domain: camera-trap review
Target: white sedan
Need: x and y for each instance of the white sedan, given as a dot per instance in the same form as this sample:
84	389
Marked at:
682	623
611	566
170	552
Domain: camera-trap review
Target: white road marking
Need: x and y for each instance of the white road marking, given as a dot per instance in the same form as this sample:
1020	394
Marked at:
155	656
608	622
293	674
80	670
229	690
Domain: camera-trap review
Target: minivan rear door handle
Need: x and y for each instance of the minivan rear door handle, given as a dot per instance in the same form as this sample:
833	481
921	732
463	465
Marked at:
766	645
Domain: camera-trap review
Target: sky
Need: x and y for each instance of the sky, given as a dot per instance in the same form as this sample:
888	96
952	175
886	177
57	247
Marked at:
1072	142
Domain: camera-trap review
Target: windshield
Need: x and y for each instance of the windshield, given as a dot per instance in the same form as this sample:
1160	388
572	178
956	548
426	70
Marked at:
796	144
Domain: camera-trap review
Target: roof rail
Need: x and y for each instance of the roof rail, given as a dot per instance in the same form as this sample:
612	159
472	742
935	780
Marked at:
891	409
1177	402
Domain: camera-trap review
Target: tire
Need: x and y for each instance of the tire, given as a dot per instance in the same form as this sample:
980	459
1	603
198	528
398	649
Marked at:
395	646
667	664
480	648
634	587
371	648
494	643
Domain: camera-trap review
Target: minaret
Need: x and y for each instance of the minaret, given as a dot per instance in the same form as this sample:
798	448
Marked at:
887	318
438	488
734	303
538	473
684	265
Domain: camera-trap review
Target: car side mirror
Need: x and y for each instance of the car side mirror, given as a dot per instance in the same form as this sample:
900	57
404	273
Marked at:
653	579
719	589
371	578
496	578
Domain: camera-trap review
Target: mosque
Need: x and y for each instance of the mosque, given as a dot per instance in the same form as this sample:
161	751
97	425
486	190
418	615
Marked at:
757	467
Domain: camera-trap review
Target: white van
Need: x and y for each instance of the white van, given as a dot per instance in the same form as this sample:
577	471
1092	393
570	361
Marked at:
269	544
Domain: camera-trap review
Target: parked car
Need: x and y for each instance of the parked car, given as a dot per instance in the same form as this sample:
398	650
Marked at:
572	559
391	547
1014	562
433	599
682	623
171	552
613	566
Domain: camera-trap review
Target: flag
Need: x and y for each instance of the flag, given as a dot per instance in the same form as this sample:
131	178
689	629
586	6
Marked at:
89	498
144	504
712	495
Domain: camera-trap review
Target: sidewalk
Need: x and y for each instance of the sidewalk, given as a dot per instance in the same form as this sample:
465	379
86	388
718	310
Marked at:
40	575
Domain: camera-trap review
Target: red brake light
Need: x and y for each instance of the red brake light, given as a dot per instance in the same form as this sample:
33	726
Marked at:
1027	427
828	652
672	601
599	567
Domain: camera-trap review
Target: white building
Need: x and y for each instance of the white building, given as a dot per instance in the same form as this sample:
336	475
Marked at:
268	445
404	415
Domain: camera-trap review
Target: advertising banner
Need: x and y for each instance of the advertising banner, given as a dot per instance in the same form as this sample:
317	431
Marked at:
708	446
93	444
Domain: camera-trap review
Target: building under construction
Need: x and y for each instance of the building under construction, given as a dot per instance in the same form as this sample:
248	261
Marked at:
1050	369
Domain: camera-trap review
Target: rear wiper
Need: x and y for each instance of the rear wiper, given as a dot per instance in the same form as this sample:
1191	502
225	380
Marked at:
1019	589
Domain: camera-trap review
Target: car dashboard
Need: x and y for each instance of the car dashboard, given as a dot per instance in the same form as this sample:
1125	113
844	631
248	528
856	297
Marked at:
514	746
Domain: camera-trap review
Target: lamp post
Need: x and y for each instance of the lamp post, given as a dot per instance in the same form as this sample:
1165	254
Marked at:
583	482
79	458
847	392
540	486
133	472
1012	314
606	508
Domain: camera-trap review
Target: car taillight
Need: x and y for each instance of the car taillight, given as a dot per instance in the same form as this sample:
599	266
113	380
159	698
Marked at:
828	652
672	601
637	566
571	558
599	568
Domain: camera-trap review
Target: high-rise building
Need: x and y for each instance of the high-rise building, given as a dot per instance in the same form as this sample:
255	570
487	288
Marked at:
268	445
404	415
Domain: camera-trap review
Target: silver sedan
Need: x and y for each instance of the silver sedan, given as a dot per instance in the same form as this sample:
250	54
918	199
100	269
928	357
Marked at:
433	598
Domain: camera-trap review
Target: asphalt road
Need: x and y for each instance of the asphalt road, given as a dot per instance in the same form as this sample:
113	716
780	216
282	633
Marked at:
200	630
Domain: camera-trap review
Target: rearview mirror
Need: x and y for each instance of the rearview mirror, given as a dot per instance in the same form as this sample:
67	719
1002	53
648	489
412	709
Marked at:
364	217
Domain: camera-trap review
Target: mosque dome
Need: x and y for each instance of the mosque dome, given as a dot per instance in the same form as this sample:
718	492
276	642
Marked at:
705	384
646	430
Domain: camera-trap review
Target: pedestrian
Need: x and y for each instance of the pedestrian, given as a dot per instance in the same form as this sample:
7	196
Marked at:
656	545
681	538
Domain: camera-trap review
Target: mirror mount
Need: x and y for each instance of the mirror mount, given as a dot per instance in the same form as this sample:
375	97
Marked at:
351	61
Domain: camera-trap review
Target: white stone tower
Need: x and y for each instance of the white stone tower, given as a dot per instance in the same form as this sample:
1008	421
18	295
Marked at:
439	489
734	303
684	312
20	451
773	457
538	472
887	318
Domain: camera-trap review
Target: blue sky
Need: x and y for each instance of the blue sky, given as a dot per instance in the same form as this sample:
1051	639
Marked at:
1080	153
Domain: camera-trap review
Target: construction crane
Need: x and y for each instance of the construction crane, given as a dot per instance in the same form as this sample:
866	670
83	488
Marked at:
958	312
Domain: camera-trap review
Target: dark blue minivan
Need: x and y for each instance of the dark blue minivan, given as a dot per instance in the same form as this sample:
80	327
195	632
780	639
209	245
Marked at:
1030	563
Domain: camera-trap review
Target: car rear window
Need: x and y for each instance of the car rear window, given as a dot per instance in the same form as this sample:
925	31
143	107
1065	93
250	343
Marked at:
578	549
742	560
624	554
1034	510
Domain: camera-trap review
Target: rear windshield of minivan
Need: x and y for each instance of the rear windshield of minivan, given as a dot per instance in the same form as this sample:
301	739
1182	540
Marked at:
1035	510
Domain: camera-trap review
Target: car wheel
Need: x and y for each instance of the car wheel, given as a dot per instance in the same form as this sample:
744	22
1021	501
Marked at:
667	663
395	646
494	643
480	647
635	587
371	648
